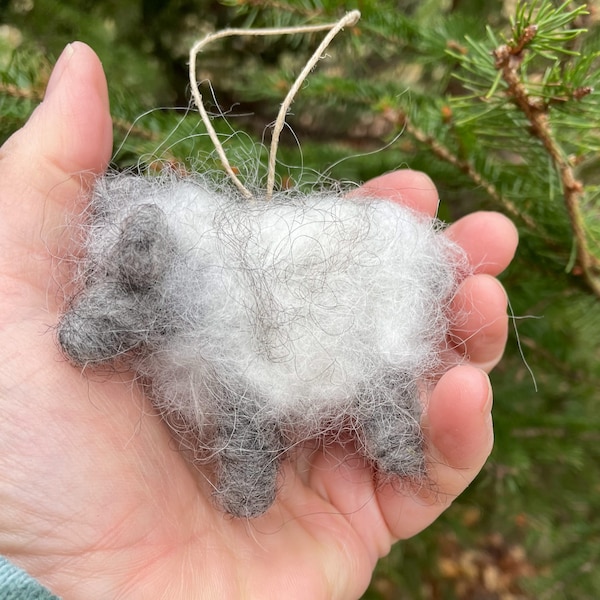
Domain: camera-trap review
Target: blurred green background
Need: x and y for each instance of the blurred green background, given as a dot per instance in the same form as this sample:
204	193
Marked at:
414	84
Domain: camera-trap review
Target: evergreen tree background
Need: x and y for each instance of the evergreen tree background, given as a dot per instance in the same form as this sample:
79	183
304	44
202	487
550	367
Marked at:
498	102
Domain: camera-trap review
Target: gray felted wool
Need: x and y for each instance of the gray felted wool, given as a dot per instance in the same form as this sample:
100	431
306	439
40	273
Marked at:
258	325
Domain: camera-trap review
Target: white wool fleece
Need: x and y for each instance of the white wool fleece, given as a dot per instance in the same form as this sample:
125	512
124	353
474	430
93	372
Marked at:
256	325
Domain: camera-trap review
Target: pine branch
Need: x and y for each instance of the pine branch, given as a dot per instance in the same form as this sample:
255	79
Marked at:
537	82
508	60
14	91
445	154
124	126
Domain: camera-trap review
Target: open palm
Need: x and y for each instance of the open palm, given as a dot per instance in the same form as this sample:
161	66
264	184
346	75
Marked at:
96	500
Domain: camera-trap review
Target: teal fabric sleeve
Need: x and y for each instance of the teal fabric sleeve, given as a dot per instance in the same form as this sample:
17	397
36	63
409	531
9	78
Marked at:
15	584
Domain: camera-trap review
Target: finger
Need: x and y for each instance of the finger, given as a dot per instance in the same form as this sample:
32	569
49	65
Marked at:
67	139
410	188
489	239
481	329
458	427
70	132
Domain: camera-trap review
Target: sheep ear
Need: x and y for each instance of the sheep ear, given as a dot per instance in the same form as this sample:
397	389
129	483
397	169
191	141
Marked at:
145	248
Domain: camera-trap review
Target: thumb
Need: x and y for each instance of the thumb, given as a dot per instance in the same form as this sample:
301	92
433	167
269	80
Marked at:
75	113
44	165
70	132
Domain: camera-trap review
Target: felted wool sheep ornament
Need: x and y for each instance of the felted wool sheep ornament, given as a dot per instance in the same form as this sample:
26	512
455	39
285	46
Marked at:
256	325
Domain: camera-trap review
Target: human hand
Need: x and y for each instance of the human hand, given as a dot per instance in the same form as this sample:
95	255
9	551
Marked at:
96	502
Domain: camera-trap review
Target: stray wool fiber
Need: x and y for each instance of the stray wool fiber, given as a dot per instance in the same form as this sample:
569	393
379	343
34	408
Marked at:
256	325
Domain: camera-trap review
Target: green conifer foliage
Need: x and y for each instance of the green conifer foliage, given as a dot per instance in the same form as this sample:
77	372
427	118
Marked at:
499	102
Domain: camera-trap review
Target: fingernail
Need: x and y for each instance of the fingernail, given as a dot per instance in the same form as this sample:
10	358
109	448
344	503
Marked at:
486	407
59	68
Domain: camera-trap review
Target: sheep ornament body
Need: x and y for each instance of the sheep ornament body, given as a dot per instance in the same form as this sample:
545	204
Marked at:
257	322
257	325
